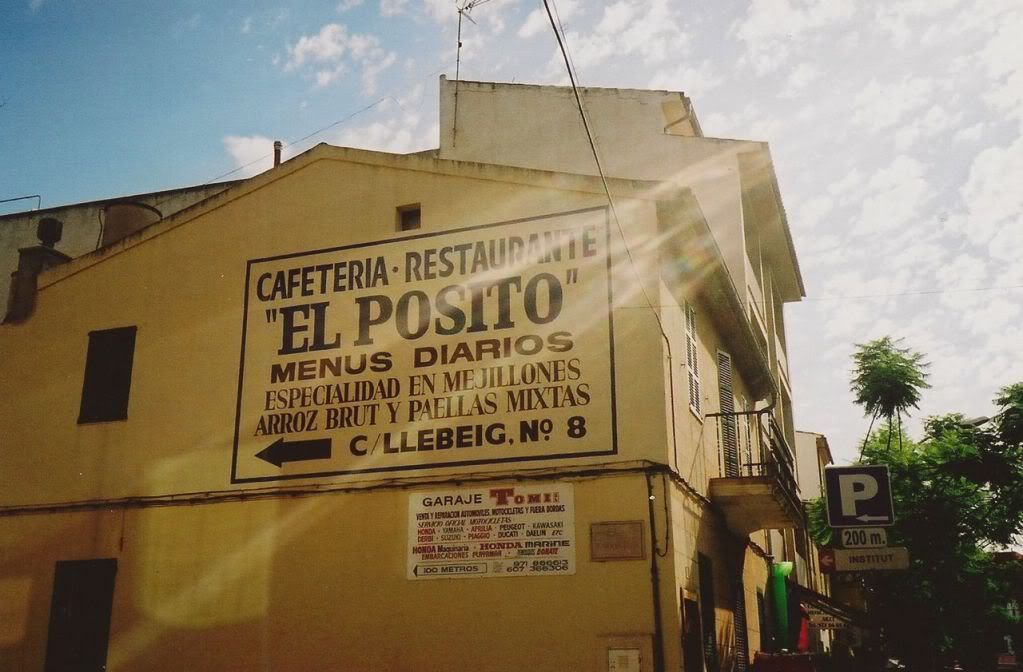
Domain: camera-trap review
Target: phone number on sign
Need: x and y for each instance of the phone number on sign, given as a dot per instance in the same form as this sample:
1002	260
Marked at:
521	566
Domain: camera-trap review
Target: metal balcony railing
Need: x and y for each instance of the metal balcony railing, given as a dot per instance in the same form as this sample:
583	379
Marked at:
750	444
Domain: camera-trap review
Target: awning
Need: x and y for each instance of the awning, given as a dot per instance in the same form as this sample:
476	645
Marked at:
829	605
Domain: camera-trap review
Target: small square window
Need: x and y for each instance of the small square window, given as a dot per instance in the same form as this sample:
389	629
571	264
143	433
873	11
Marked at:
409	217
107	375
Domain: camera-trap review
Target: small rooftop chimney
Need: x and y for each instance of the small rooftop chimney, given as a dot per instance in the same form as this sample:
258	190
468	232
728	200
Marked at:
31	262
49	231
278	145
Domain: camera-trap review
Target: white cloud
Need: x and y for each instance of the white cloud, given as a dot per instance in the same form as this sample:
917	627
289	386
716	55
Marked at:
34	5
772	29
970	133
692	79
881	106
328	48
371	71
441	11
846	184
898	196
538	22
347	5
900	18
649	30
392	7
401	130
247	25
994	201
327	45
936	120
800	78
325	77
1002	57
810	213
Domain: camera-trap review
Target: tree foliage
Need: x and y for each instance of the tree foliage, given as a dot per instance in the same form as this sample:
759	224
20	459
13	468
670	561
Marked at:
887	379
958	495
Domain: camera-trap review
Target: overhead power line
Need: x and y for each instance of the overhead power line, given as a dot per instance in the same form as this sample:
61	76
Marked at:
318	131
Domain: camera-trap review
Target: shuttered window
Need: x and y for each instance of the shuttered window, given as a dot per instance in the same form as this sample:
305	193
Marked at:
741	637
692	360
710	642
729	430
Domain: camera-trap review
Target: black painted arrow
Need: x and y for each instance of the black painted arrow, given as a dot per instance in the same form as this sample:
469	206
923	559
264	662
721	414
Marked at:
281	451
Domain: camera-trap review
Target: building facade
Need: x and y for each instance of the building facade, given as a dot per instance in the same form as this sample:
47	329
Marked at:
480	408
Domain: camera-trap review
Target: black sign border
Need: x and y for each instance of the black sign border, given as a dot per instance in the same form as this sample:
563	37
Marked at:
852	468
439	465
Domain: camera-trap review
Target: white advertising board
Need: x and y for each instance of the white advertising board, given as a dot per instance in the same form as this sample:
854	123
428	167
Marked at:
488	344
821	620
496	531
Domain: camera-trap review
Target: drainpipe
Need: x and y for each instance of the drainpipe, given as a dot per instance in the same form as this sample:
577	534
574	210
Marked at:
655	581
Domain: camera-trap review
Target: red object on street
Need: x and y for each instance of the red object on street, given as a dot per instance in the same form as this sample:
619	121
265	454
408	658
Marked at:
803	644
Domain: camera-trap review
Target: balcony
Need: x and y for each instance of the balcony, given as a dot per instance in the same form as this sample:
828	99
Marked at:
757	486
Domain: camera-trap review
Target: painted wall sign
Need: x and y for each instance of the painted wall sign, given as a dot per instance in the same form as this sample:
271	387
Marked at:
624	660
497	531
617	540
487	344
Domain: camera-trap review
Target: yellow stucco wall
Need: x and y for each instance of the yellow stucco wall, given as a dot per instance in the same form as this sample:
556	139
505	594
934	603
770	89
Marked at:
183	287
318	583
318	580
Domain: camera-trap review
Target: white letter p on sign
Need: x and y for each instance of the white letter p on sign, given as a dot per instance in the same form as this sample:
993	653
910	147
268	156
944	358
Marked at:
854	488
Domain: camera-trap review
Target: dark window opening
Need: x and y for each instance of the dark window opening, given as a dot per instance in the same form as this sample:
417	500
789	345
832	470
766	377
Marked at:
410	217
692	636
107	375
83	596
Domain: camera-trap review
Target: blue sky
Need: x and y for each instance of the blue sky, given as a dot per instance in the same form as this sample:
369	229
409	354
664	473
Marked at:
896	127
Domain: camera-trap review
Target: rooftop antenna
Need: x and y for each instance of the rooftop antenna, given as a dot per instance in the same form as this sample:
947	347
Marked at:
464	10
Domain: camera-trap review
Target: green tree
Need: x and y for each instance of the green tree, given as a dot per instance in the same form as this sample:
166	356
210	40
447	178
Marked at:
958	495
887	380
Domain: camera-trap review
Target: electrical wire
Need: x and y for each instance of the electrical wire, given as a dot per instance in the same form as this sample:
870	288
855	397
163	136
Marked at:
603	176
614	213
318	131
600	169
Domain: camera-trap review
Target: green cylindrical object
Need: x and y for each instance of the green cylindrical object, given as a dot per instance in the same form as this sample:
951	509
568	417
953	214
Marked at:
779	571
